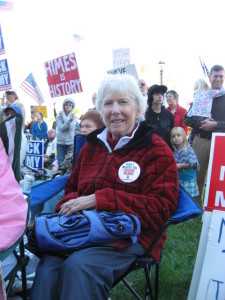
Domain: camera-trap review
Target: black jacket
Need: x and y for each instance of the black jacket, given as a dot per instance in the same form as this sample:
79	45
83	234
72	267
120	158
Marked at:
162	123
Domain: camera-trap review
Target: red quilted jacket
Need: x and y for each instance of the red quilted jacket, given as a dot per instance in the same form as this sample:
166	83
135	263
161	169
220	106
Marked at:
152	197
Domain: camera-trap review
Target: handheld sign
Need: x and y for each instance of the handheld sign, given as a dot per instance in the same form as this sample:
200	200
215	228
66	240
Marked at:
212	280
5	82
215	187
63	76
34	155
129	69
208	280
121	57
2	47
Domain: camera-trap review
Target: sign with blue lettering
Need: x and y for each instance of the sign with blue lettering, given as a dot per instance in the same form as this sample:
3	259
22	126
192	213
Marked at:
34	155
5	82
212	279
2	48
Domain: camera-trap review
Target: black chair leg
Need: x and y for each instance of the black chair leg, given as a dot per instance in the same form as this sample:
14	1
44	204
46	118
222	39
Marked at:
156	280
23	270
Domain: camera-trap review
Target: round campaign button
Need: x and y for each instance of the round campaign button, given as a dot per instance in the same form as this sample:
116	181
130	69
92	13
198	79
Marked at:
129	171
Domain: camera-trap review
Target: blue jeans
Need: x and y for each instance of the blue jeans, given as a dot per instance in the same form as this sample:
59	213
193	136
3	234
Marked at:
62	150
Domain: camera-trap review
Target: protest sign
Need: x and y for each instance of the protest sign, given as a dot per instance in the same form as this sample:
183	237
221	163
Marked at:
215	187
129	69
2	47
212	279
5	82
208	277
63	76
34	109
34	155
121	57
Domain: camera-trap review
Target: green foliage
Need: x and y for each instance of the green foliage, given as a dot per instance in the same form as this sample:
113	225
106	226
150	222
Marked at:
176	268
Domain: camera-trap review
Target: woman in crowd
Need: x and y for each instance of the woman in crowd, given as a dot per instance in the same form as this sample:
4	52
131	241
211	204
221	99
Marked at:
66	124
123	167
39	128
178	112
157	116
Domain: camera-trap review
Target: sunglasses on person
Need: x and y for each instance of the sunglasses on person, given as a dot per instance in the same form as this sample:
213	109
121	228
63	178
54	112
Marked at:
142	84
69	103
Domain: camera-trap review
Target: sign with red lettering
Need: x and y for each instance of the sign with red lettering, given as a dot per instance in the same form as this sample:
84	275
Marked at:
215	187
63	76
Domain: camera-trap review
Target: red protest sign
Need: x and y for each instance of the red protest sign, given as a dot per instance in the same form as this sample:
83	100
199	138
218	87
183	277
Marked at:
63	76
215	187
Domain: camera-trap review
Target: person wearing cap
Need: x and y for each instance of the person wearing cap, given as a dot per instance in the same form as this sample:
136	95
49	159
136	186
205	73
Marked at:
66	124
9	112
12	99
160	119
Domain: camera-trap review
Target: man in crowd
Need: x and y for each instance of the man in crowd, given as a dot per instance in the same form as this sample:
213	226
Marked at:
143	87
50	148
204	129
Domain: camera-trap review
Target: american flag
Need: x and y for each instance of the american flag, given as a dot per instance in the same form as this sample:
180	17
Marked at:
6	5
78	37
204	68
31	88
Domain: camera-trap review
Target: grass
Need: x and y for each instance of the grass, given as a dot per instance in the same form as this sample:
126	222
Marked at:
176	268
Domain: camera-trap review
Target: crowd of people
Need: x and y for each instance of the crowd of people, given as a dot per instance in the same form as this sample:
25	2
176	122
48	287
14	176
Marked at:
129	128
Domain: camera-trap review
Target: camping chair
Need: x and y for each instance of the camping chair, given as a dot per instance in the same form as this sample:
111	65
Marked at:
10	134
187	209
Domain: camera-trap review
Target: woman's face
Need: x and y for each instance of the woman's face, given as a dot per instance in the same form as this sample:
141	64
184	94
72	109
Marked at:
171	100
68	107
119	113
39	117
87	126
10	99
157	98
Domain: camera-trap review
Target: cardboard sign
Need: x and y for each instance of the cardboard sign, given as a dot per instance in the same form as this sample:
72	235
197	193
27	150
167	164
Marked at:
212	280
34	109
63	76
129	69
215	187
34	155
5	82
2	47
121	57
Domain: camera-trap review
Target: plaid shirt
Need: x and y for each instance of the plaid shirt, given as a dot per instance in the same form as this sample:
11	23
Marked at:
152	197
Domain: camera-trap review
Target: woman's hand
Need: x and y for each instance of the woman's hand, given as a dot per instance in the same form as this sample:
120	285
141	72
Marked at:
75	205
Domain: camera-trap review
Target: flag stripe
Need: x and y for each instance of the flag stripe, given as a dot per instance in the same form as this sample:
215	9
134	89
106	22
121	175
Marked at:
6	5
31	88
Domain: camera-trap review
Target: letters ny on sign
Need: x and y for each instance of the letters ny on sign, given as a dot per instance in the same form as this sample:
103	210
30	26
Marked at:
34	154
63	76
215	187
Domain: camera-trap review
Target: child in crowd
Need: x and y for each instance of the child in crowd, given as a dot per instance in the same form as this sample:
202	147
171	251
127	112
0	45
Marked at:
203	98
187	162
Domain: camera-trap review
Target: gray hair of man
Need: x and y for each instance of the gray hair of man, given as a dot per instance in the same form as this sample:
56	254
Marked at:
125	85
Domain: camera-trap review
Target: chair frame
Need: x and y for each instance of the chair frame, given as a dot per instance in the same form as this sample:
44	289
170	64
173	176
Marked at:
146	262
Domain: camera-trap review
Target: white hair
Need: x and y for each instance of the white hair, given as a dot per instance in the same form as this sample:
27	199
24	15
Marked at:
123	84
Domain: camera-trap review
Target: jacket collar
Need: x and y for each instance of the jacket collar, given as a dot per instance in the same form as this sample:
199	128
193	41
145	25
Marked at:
141	137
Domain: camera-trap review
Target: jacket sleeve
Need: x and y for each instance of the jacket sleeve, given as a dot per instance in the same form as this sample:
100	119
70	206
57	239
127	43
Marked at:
193	122
34	131
156	199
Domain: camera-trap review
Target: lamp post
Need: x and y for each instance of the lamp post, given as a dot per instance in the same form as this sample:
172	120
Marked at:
161	63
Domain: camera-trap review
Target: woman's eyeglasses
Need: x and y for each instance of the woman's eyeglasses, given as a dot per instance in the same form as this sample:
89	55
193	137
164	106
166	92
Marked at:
68	103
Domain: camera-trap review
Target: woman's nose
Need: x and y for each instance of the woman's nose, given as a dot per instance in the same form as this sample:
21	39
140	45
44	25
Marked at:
115	108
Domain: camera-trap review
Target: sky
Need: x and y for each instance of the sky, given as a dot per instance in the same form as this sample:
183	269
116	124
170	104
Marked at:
174	31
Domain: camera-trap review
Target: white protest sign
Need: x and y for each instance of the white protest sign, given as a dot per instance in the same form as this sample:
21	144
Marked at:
212	280
34	154
121	57
214	201
129	69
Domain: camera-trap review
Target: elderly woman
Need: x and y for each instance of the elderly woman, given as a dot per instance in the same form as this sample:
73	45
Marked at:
99	180
178	111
